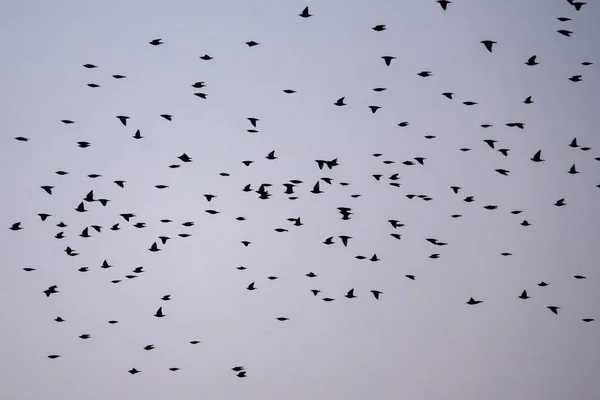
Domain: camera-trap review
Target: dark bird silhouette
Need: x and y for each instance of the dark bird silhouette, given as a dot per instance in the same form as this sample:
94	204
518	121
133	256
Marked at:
201	95
350	294
376	293
159	313
271	156
532	61
154	247
575	78
206	57
305	13
316	189
537	157
47	189
185	158
448	95
53	356
443	3
472	301
123	119
502	171
572	170
252	43
564	32
16	226
524	295
134	371
425	74
156	42
490	142
542	284
554	309
488	44
374	109
51	290
119	76
560	202
251	286
379	28
340	102
388	59
528	100
22	139
241	374
345	240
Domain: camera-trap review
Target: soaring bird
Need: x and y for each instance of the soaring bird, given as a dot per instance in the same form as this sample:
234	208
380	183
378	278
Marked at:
305	13
488	44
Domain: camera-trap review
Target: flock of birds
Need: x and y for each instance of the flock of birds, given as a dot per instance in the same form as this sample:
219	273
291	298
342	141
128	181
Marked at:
265	191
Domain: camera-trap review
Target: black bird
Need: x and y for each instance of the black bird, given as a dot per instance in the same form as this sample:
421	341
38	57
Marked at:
350	294
206	57
241	374
473	301
554	309
134	371
531	61
271	156
488	44
528	100
340	102
22	139
253	121
379	28
305	13
316	189
159	313
425	74
374	109
388	59
199	85
565	32
490	142
251	286
156	42
575	78
537	157
542	284
252	43
53	356
524	295
16	226
47	189
376	293
448	95
572	170
119	76
201	95
51	290
80	208
154	247
443	3
123	119
560	202
345	240
185	158
89	197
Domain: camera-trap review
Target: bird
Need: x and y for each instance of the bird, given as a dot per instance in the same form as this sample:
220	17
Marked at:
156	42
251	286
51	290
488	44
425	74
532	61
47	189
572	170
305	13
134	371
16	226
537	157
271	155
340	102
448	95
206	57
554	309
388	59
123	119
379	28
376	293
185	158
575	78
252	43
159	313
560	202
524	295
53	356
374	109
350	294
528	100
443	3
472	301
564	32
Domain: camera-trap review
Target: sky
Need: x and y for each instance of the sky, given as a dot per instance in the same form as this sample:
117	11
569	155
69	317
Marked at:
420	339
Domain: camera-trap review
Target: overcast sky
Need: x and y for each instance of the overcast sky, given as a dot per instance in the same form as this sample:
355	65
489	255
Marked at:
420	340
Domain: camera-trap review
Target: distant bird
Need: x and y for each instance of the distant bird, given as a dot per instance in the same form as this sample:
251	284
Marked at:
388	59
537	157
528	100
379	28
345	240
554	309
51	290
531	61
123	119
572	170
564	32
488	44
185	158
350	294
472	301
425	74
252	43
448	95
53	356
271	155
560	202
251	286
575	78
524	295
542	284
156	42
22	139
159	313
119	76
443	3
134	371
206	57
340	102
376	293
305	13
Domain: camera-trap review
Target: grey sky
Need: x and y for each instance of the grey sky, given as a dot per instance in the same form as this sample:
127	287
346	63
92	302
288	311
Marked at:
420	340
